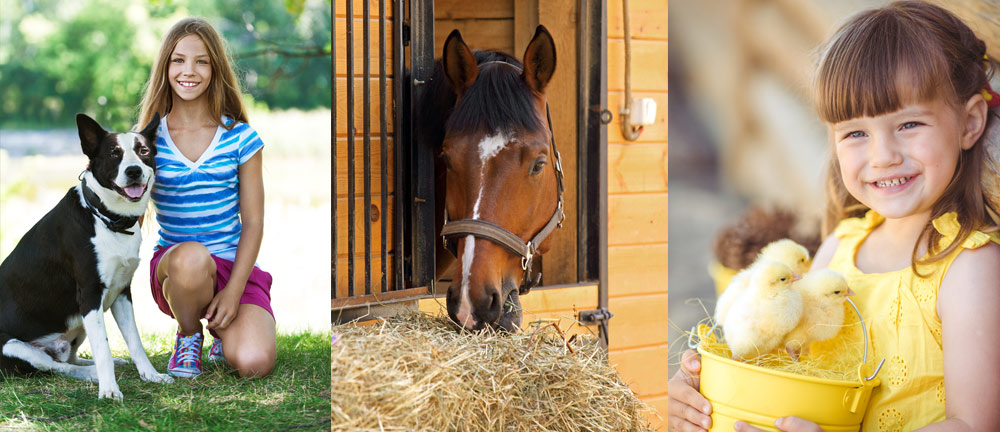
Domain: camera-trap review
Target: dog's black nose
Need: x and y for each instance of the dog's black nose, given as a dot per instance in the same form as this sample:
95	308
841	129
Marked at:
133	172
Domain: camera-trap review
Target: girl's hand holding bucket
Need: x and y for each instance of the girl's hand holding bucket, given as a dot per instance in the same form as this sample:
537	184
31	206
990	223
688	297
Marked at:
687	409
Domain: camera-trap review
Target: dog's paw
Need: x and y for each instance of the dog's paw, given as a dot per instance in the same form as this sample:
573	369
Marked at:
111	393
119	362
155	376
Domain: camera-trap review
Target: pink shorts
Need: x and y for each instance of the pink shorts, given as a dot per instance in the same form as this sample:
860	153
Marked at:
257	291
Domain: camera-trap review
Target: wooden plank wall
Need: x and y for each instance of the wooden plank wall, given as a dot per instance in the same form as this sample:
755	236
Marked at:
484	24
637	207
377	214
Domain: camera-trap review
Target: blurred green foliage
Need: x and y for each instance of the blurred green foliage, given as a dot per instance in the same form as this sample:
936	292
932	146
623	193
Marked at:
58	58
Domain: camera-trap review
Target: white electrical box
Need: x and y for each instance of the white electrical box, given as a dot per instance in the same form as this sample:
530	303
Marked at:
643	112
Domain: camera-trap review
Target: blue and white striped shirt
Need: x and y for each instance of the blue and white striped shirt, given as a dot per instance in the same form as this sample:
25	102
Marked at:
199	201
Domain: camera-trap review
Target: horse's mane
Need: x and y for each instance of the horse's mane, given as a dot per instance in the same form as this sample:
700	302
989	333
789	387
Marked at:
498	102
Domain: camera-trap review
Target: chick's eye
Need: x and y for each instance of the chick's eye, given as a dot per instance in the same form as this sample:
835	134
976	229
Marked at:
784	279
837	292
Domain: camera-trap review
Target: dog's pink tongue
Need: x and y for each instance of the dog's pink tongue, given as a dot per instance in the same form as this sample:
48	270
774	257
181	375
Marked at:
134	191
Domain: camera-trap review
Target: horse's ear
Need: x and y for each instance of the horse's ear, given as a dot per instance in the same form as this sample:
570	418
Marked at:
540	60
459	63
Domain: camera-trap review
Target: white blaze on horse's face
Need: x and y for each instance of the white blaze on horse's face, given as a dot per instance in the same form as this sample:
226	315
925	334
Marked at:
489	147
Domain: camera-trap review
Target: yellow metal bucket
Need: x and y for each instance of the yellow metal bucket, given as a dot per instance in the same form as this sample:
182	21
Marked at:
759	396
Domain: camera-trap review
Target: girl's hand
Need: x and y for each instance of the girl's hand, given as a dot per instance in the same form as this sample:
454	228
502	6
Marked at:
223	309
786	424
687	409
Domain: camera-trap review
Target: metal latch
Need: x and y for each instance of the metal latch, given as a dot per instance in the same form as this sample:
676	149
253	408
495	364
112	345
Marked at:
594	316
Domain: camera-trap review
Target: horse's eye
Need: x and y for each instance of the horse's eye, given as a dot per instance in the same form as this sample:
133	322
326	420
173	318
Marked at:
537	168
447	162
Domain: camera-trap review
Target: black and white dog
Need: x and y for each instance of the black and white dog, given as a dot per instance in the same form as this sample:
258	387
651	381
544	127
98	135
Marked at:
77	262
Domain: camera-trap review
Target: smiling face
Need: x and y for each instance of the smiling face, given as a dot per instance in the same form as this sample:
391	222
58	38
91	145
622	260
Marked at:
190	68
900	163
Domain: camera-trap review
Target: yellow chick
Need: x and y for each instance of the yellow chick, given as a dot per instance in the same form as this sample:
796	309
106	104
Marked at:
785	251
823	294
764	312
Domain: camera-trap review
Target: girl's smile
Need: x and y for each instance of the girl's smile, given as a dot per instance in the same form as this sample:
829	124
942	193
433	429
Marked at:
190	69
900	163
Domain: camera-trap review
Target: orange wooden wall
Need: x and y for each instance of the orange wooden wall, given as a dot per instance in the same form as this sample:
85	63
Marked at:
637	207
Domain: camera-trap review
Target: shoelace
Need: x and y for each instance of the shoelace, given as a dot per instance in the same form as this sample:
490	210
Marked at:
188	351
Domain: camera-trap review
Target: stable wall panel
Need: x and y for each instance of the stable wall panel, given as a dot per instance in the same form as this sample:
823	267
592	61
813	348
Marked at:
643	369
340	7
649	65
359	225
639	321
637	168
359	97
636	270
648	20
359	168
359	45
637	219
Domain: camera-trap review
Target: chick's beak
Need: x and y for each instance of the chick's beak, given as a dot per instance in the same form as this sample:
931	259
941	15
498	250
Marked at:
796	276
850	292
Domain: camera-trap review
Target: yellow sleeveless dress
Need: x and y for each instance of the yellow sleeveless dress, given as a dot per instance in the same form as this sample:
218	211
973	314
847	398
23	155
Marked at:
900	313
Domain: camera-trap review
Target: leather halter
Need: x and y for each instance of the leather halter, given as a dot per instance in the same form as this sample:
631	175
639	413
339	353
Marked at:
502	236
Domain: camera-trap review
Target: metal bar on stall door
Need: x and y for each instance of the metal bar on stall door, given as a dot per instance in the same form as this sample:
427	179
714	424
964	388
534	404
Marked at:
367	94
398	60
350	147
422	164
333	179
382	141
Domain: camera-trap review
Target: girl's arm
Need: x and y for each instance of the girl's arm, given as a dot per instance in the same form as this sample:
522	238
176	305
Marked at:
224	307
825	253
969	308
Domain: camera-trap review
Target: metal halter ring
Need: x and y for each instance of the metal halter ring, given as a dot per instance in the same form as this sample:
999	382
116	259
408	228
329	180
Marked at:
525	260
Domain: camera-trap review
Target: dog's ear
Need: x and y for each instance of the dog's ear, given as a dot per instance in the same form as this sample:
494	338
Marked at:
149	132
459	63
91	134
540	60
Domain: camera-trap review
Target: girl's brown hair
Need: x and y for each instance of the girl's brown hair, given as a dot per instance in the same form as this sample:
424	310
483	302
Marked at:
223	93
908	51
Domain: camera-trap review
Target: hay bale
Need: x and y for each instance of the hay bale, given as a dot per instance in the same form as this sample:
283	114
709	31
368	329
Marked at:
418	373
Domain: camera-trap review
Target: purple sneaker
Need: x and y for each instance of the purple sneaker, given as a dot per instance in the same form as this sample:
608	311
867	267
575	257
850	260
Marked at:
215	353
185	361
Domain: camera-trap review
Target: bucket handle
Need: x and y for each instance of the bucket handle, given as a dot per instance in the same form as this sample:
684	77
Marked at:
864	330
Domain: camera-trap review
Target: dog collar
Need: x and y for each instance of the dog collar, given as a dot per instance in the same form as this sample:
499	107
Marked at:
114	222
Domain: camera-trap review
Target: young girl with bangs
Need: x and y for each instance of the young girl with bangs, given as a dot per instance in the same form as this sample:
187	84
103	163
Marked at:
209	204
905	93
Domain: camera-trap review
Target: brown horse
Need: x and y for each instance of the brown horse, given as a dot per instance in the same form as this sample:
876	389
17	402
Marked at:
501	177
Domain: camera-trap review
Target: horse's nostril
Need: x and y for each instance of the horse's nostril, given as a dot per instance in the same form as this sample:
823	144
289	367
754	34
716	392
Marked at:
495	302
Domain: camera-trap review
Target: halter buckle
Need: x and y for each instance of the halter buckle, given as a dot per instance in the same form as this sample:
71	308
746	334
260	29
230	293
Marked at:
526	260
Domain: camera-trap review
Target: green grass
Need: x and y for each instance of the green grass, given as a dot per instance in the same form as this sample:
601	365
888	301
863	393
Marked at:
296	396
